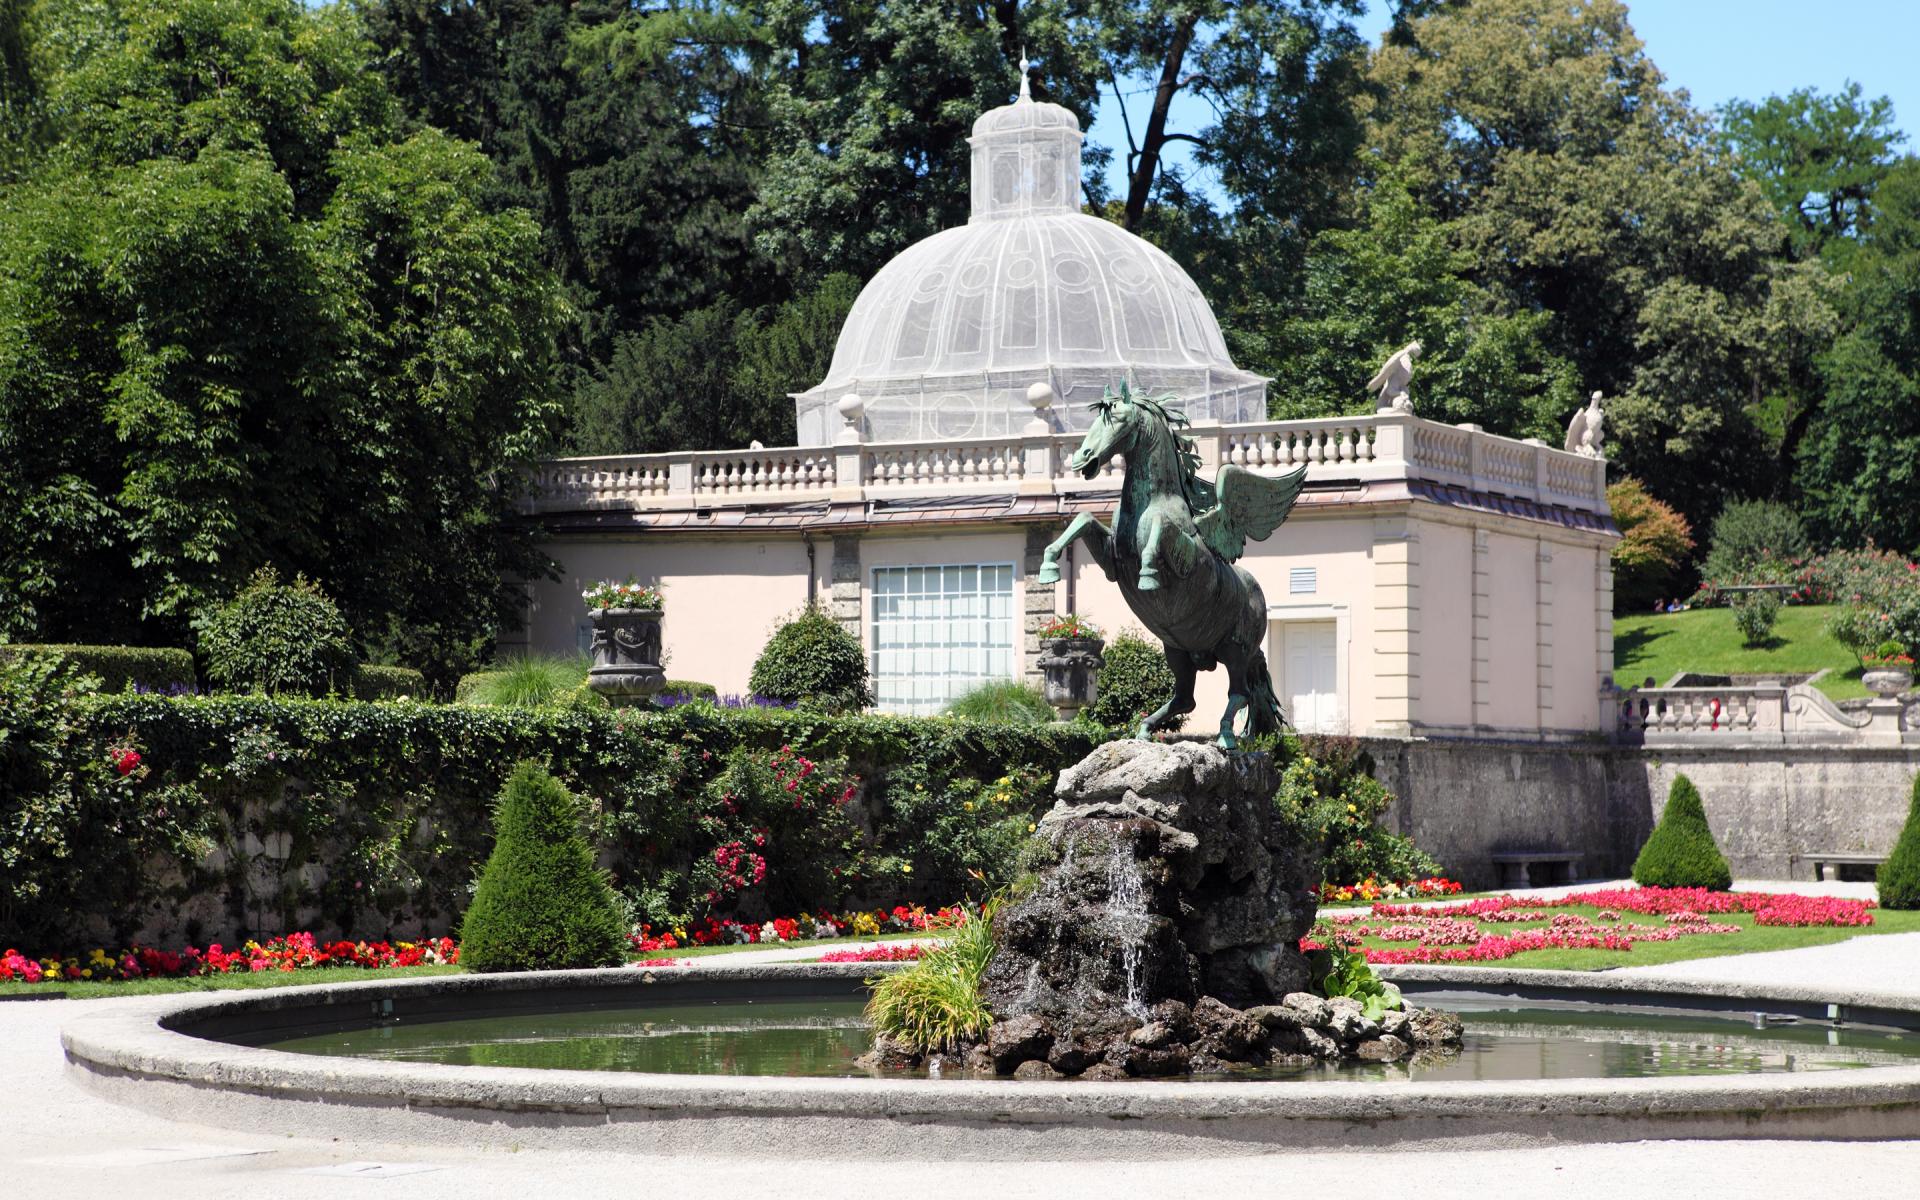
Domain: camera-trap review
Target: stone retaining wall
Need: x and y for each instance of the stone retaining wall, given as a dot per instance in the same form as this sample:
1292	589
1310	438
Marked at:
1773	810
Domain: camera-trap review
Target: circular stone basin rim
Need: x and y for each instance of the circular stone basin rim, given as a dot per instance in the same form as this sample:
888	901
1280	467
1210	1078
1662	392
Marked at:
146	1053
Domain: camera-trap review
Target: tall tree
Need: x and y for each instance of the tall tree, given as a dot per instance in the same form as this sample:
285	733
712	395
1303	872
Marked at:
1859	465
1583	190
258	324
1817	157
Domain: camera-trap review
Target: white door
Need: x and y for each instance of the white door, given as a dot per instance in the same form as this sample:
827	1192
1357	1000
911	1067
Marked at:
1309	679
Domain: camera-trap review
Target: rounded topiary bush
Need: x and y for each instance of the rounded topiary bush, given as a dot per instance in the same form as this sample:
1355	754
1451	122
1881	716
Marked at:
1681	852
1134	682
279	637
1754	616
541	904
811	659
1898	879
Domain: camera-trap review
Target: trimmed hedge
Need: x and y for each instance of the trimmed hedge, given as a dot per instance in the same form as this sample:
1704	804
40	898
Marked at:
540	904
811	659
1681	851
1898	879
262	814
375	682
120	668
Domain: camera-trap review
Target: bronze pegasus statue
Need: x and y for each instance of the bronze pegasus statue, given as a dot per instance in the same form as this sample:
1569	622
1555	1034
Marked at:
1172	548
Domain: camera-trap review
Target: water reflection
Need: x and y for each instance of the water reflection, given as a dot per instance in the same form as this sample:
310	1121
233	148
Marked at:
814	1038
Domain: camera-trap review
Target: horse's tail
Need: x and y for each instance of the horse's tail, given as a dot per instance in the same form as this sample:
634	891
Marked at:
1263	707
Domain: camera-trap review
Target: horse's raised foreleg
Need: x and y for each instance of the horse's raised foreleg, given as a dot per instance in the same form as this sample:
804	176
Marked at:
1151	531
1180	703
1084	527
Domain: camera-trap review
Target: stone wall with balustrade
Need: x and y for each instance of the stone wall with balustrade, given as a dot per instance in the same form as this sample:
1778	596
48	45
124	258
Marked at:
1365	448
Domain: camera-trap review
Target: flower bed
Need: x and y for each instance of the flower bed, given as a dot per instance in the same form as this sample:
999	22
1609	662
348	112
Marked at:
904	952
1455	933
1374	889
295	951
805	927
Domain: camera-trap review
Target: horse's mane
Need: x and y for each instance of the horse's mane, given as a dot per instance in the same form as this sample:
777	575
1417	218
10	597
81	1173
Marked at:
1198	492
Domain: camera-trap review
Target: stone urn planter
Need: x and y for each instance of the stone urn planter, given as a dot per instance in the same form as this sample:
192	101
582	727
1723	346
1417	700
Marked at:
1070	671
1887	681
626	653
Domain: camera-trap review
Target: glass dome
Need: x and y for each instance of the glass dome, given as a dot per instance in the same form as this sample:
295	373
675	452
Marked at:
944	341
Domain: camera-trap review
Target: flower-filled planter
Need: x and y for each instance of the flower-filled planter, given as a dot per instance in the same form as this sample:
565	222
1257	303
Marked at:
1070	664
1889	670
626	641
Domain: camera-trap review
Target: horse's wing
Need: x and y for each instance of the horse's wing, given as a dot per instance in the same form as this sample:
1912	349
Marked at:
1250	506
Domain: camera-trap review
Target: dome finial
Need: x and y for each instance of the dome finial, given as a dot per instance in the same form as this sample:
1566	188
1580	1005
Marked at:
1026	92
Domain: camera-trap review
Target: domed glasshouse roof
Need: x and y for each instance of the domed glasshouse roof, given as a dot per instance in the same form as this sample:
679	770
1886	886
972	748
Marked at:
945	340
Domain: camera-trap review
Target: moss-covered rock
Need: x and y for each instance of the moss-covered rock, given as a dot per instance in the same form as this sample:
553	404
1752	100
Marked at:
1681	851
1899	877
541	904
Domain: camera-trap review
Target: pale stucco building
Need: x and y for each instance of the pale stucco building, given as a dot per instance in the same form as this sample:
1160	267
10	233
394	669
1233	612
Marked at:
1434	580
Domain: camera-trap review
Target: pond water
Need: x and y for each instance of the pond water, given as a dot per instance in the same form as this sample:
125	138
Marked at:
1505	1040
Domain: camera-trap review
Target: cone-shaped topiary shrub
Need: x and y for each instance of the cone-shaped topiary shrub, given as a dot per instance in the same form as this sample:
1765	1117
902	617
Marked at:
1681	852
1899	876
541	904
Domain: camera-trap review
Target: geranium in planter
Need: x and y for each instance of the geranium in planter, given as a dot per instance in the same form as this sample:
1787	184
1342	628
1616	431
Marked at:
626	639
1070	665
1889	669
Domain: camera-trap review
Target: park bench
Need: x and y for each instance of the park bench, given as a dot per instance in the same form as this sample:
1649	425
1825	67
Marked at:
1518	868
1829	864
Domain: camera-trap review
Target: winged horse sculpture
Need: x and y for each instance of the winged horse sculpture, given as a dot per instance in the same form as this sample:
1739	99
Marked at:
1172	548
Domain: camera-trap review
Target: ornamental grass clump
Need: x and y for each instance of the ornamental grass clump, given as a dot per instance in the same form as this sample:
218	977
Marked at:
1003	702
1681	851
541	904
527	681
1898	879
936	1003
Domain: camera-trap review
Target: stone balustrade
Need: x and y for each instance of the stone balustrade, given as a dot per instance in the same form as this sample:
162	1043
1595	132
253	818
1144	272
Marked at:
1359	449
1754	714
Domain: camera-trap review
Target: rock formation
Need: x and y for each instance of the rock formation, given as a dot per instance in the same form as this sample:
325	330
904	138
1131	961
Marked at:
1160	935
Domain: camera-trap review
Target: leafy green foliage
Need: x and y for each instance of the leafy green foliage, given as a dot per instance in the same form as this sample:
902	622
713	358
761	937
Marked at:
1580	189
373	681
526	681
1328	789
1754	615
1681	851
777	833
278	637
258	323
1865	447
936	1004
389	801
955	834
74	833
1898	879
811	659
1654	544
540	903
1003	701
1747	536
1134	682
1819	158
119	668
1338	971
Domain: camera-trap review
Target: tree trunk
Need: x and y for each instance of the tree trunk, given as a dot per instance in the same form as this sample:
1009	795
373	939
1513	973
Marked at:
1155	137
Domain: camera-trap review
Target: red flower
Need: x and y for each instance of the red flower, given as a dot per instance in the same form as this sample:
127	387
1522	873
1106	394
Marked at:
124	761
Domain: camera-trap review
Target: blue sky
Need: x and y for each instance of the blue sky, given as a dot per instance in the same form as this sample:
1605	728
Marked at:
1718	50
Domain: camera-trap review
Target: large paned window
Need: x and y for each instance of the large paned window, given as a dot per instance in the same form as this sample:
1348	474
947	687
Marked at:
940	631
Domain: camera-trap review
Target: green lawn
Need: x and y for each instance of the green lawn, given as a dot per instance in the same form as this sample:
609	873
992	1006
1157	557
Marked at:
1705	640
1753	940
